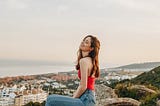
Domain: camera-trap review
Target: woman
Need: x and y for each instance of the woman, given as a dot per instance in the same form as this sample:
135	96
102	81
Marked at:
88	71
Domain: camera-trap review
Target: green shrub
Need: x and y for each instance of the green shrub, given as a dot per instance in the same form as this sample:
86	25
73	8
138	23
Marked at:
150	100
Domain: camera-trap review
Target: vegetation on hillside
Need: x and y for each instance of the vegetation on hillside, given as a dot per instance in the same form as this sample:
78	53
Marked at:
150	80
152	77
35	104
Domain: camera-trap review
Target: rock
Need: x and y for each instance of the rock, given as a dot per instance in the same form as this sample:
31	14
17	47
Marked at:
158	103
120	102
103	92
105	96
142	88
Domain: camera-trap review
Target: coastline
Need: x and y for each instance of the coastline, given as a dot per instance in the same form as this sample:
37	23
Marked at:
13	71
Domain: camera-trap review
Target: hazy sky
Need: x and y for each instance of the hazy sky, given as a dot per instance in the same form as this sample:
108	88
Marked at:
51	30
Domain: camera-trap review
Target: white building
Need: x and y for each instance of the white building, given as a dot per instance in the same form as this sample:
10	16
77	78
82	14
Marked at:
34	95
57	85
8	92
6	101
119	77
22	88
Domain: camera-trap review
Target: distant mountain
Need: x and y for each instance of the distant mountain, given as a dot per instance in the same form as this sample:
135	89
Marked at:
146	65
152	77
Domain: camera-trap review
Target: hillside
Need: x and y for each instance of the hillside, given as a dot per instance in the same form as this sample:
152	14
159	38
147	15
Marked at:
144	88
147	65
152	77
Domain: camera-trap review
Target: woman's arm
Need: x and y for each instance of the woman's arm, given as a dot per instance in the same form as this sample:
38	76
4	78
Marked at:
84	78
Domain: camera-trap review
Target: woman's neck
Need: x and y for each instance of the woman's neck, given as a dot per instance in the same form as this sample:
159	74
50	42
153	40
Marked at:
84	54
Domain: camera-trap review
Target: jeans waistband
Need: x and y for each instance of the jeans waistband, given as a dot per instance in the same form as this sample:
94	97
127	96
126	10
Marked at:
90	92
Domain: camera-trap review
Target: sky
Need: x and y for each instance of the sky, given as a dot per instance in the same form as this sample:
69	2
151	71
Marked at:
51	30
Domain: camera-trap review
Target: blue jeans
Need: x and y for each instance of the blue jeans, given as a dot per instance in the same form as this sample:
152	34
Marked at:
86	99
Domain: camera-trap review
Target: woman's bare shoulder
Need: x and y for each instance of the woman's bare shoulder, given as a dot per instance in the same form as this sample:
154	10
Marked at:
86	60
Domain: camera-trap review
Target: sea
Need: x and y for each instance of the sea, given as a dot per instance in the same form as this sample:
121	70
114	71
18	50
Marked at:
15	67
17	70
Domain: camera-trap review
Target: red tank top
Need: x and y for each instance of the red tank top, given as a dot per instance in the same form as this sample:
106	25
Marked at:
90	82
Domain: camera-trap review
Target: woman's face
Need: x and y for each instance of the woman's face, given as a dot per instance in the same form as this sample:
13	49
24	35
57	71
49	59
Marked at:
86	44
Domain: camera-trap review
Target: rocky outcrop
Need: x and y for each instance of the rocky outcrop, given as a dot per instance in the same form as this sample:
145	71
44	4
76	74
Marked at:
105	96
142	88
103	92
120	102
158	103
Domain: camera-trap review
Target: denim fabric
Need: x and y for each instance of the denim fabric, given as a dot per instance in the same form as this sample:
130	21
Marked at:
86	99
59	100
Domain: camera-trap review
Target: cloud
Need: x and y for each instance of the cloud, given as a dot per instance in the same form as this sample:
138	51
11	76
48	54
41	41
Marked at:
140	5
62	9
16	4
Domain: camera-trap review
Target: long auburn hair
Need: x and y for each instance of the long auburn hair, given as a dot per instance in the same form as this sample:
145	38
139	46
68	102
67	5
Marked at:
95	44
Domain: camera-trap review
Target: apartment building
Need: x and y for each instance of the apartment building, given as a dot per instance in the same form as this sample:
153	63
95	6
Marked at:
34	95
6	101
